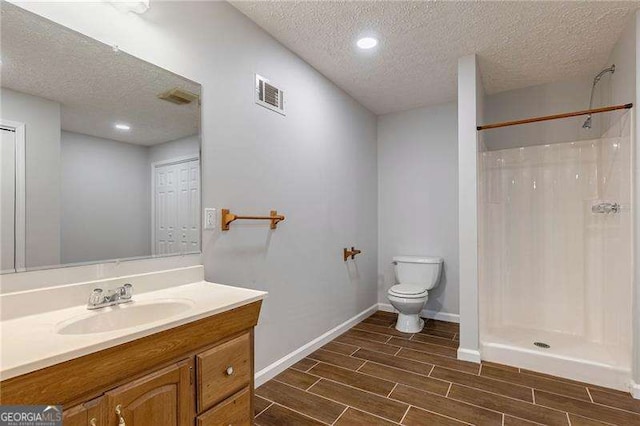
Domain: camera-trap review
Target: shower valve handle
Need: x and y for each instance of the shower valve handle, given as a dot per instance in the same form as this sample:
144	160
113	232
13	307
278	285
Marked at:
605	208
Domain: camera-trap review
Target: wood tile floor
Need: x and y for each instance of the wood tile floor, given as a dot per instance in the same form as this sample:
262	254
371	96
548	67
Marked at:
375	375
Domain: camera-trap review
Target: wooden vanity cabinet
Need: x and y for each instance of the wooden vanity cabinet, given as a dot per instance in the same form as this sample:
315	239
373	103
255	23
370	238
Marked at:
200	374
167	397
219	379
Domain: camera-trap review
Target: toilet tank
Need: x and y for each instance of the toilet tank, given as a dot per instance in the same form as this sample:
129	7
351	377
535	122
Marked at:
418	270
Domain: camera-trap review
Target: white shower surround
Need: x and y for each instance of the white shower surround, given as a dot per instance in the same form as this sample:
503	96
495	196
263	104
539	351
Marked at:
550	269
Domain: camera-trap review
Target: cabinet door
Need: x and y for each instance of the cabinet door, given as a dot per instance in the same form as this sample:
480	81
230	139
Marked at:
161	398
90	413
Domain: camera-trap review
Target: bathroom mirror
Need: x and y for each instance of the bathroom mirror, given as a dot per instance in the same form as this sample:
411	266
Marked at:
100	155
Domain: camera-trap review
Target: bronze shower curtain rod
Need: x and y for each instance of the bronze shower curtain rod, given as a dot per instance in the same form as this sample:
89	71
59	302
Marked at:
554	117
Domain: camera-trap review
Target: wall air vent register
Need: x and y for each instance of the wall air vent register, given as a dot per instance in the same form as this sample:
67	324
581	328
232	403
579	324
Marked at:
269	96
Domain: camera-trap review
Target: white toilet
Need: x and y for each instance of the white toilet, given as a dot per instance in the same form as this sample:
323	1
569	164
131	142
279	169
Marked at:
415	277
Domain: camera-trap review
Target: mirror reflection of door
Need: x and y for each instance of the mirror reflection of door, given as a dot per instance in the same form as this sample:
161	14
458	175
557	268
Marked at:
176	206
8	183
12	193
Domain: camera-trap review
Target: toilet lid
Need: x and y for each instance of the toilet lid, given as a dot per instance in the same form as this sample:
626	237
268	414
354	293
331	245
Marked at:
407	289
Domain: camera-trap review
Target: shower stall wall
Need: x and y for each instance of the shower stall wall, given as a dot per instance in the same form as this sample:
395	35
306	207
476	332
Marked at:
555	257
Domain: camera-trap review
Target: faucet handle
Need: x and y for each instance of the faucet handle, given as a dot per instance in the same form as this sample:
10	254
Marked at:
96	296
126	291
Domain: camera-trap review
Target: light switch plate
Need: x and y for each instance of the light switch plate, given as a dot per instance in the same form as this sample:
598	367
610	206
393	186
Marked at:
209	218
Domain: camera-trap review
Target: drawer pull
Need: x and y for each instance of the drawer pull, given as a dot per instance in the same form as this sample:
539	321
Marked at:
119	413
229	371
93	422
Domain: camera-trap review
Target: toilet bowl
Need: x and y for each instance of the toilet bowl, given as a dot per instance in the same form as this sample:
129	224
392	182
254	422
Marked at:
415	277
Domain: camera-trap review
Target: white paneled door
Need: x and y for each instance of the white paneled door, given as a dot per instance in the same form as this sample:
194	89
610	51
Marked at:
177	207
7	199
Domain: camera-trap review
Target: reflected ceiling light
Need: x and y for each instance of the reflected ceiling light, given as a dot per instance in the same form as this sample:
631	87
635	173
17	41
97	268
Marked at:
139	6
122	126
367	43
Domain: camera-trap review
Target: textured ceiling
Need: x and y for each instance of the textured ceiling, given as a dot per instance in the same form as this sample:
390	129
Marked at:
95	86
519	44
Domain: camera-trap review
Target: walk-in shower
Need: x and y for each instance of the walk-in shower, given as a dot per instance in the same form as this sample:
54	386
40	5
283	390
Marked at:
555	255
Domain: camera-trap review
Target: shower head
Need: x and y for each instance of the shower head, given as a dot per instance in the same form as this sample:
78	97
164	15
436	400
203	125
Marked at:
611	69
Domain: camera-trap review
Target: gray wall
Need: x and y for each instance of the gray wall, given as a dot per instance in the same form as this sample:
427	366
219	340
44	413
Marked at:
563	96
418	195
546	99
317	165
42	144
106	199
620	87
185	147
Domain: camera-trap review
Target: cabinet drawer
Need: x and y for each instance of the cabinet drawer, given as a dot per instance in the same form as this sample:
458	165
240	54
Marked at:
235	411
223	370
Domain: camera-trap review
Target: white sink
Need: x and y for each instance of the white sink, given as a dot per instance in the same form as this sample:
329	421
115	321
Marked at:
124	316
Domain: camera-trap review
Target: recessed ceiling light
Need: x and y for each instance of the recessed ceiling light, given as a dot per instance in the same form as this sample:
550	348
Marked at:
122	126
367	43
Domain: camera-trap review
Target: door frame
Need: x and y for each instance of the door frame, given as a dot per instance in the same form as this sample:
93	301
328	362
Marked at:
20	219
154	165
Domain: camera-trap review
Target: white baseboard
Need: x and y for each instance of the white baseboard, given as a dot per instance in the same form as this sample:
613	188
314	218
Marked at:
288	360
634	388
441	316
470	355
386	307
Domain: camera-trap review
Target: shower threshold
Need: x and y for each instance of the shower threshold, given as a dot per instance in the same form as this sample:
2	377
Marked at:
568	356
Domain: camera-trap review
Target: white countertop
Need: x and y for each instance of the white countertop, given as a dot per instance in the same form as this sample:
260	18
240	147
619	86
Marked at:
30	342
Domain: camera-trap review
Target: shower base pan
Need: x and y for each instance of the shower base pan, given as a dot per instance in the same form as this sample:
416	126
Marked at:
568	356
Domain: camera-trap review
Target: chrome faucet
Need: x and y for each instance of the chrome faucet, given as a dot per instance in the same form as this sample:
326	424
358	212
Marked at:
100	298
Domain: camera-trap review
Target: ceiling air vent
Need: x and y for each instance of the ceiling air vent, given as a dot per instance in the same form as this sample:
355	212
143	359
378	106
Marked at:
269	96
178	96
